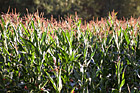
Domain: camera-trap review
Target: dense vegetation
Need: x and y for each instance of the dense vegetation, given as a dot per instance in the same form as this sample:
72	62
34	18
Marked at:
41	55
86	9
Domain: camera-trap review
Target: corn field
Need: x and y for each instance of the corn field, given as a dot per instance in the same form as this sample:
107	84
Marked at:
39	55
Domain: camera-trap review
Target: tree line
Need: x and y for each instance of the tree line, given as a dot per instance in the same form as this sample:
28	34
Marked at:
85	9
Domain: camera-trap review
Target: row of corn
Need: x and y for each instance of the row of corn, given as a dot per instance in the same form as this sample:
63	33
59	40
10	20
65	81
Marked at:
69	55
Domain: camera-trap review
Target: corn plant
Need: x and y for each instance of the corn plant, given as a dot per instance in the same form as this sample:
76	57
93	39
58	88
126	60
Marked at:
42	55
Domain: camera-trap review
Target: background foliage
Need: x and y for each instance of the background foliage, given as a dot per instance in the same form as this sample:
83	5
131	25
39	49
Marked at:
86	8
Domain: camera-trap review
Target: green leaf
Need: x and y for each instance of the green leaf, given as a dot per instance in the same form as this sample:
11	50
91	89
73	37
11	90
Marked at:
126	37
52	81
27	41
2	20
6	51
43	37
123	79
72	91
119	32
93	53
27	33
35	33
115	91
122	83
